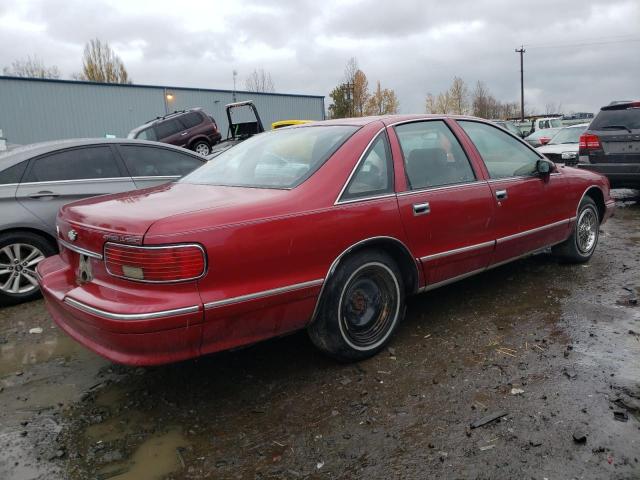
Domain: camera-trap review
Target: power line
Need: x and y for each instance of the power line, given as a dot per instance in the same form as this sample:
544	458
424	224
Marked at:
585	44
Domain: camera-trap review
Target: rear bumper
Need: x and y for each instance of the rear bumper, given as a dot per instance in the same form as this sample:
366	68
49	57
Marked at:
619	175
154	336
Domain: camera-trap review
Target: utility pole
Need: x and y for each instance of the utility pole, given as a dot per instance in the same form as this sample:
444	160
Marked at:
235	74
521	52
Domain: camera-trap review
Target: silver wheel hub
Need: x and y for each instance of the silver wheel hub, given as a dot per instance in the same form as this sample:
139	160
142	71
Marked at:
202	149
587	231
18	268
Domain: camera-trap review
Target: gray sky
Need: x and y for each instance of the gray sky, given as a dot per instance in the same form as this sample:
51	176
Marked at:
581	54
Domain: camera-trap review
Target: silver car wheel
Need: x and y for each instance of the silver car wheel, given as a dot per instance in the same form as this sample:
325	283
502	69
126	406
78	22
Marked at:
587	230
18	268
202	149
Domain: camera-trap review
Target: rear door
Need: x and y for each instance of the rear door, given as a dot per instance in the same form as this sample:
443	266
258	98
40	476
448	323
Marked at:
171	131
149	165
447	207
531	211
55	179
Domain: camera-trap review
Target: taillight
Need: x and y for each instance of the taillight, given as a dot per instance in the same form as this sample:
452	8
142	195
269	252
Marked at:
589	141
545	140
171	263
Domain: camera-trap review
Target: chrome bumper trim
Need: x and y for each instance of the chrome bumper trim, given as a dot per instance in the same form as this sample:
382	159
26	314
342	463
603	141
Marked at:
79	250
264	293
129	316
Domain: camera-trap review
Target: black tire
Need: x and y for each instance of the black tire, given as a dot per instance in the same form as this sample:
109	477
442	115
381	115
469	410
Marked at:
348	331
579	247
24	291
201	147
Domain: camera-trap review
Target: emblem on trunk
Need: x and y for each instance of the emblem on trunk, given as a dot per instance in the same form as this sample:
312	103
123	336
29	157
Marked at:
72	234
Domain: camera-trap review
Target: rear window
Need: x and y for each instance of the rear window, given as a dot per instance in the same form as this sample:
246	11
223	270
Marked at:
629	118
278	159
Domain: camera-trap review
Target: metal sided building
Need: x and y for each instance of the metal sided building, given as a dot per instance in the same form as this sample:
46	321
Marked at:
34	110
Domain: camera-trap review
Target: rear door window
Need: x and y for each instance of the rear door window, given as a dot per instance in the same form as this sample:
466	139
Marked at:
503	155
157	162
167	128
432	155
191	120
76	164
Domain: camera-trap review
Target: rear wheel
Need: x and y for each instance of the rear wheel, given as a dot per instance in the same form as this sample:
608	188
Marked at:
360	308
579	247
20	252
202	148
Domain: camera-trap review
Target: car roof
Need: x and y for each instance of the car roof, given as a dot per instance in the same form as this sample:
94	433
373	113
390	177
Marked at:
24	152
389	119
168	116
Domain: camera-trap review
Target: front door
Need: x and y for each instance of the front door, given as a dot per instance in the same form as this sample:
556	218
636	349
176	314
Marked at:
447	209
528	216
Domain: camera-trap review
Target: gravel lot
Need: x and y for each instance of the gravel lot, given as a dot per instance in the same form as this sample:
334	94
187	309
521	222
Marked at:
554	349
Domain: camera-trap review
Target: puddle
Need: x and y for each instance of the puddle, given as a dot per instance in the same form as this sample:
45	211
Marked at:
15	356
153	460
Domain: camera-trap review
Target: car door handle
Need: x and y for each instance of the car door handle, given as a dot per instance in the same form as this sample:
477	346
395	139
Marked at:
44	193
501	194
184	133
421	208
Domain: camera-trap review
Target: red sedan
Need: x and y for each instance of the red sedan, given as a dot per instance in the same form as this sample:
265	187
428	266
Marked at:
327	226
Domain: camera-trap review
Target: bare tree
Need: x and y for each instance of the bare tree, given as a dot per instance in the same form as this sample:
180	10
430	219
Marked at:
101	64
552	108
31	67
382	102
260	81
459	97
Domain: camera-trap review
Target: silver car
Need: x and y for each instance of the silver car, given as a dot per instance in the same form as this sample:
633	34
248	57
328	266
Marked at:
36	180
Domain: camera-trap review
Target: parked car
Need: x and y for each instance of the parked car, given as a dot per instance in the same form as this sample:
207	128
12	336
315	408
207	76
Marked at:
328	226
36	180
244	122
509	126
192	129
563	146
541	137
611	144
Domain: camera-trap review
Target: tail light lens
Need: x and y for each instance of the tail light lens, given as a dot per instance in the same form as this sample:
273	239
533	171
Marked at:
589	141
171	263
545	140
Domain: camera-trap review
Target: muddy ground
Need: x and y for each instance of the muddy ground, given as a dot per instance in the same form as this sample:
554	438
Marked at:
556	348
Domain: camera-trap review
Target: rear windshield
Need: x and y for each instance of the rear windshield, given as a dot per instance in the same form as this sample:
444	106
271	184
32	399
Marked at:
278	159
567	135
629	118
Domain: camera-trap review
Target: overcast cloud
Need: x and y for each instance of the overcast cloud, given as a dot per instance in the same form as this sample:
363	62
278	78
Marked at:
581	54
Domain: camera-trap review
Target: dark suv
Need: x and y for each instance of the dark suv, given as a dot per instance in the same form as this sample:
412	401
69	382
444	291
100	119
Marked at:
192	129
611	144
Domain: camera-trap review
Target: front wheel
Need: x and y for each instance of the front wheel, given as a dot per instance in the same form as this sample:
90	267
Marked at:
361	307
202	148
579	247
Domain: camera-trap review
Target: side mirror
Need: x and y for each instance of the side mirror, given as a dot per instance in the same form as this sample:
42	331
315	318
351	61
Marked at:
543	168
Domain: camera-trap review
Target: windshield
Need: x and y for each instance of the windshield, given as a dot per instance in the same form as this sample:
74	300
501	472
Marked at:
567	135
278	159
555	123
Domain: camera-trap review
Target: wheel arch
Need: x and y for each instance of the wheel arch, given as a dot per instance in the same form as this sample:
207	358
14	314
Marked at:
390	245
35	231
595	193
199	138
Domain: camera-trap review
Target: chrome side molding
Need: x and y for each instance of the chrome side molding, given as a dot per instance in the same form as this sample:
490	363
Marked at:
129	316
264	293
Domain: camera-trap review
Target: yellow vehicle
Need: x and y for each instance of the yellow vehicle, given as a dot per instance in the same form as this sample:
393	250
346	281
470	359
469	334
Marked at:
288	123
